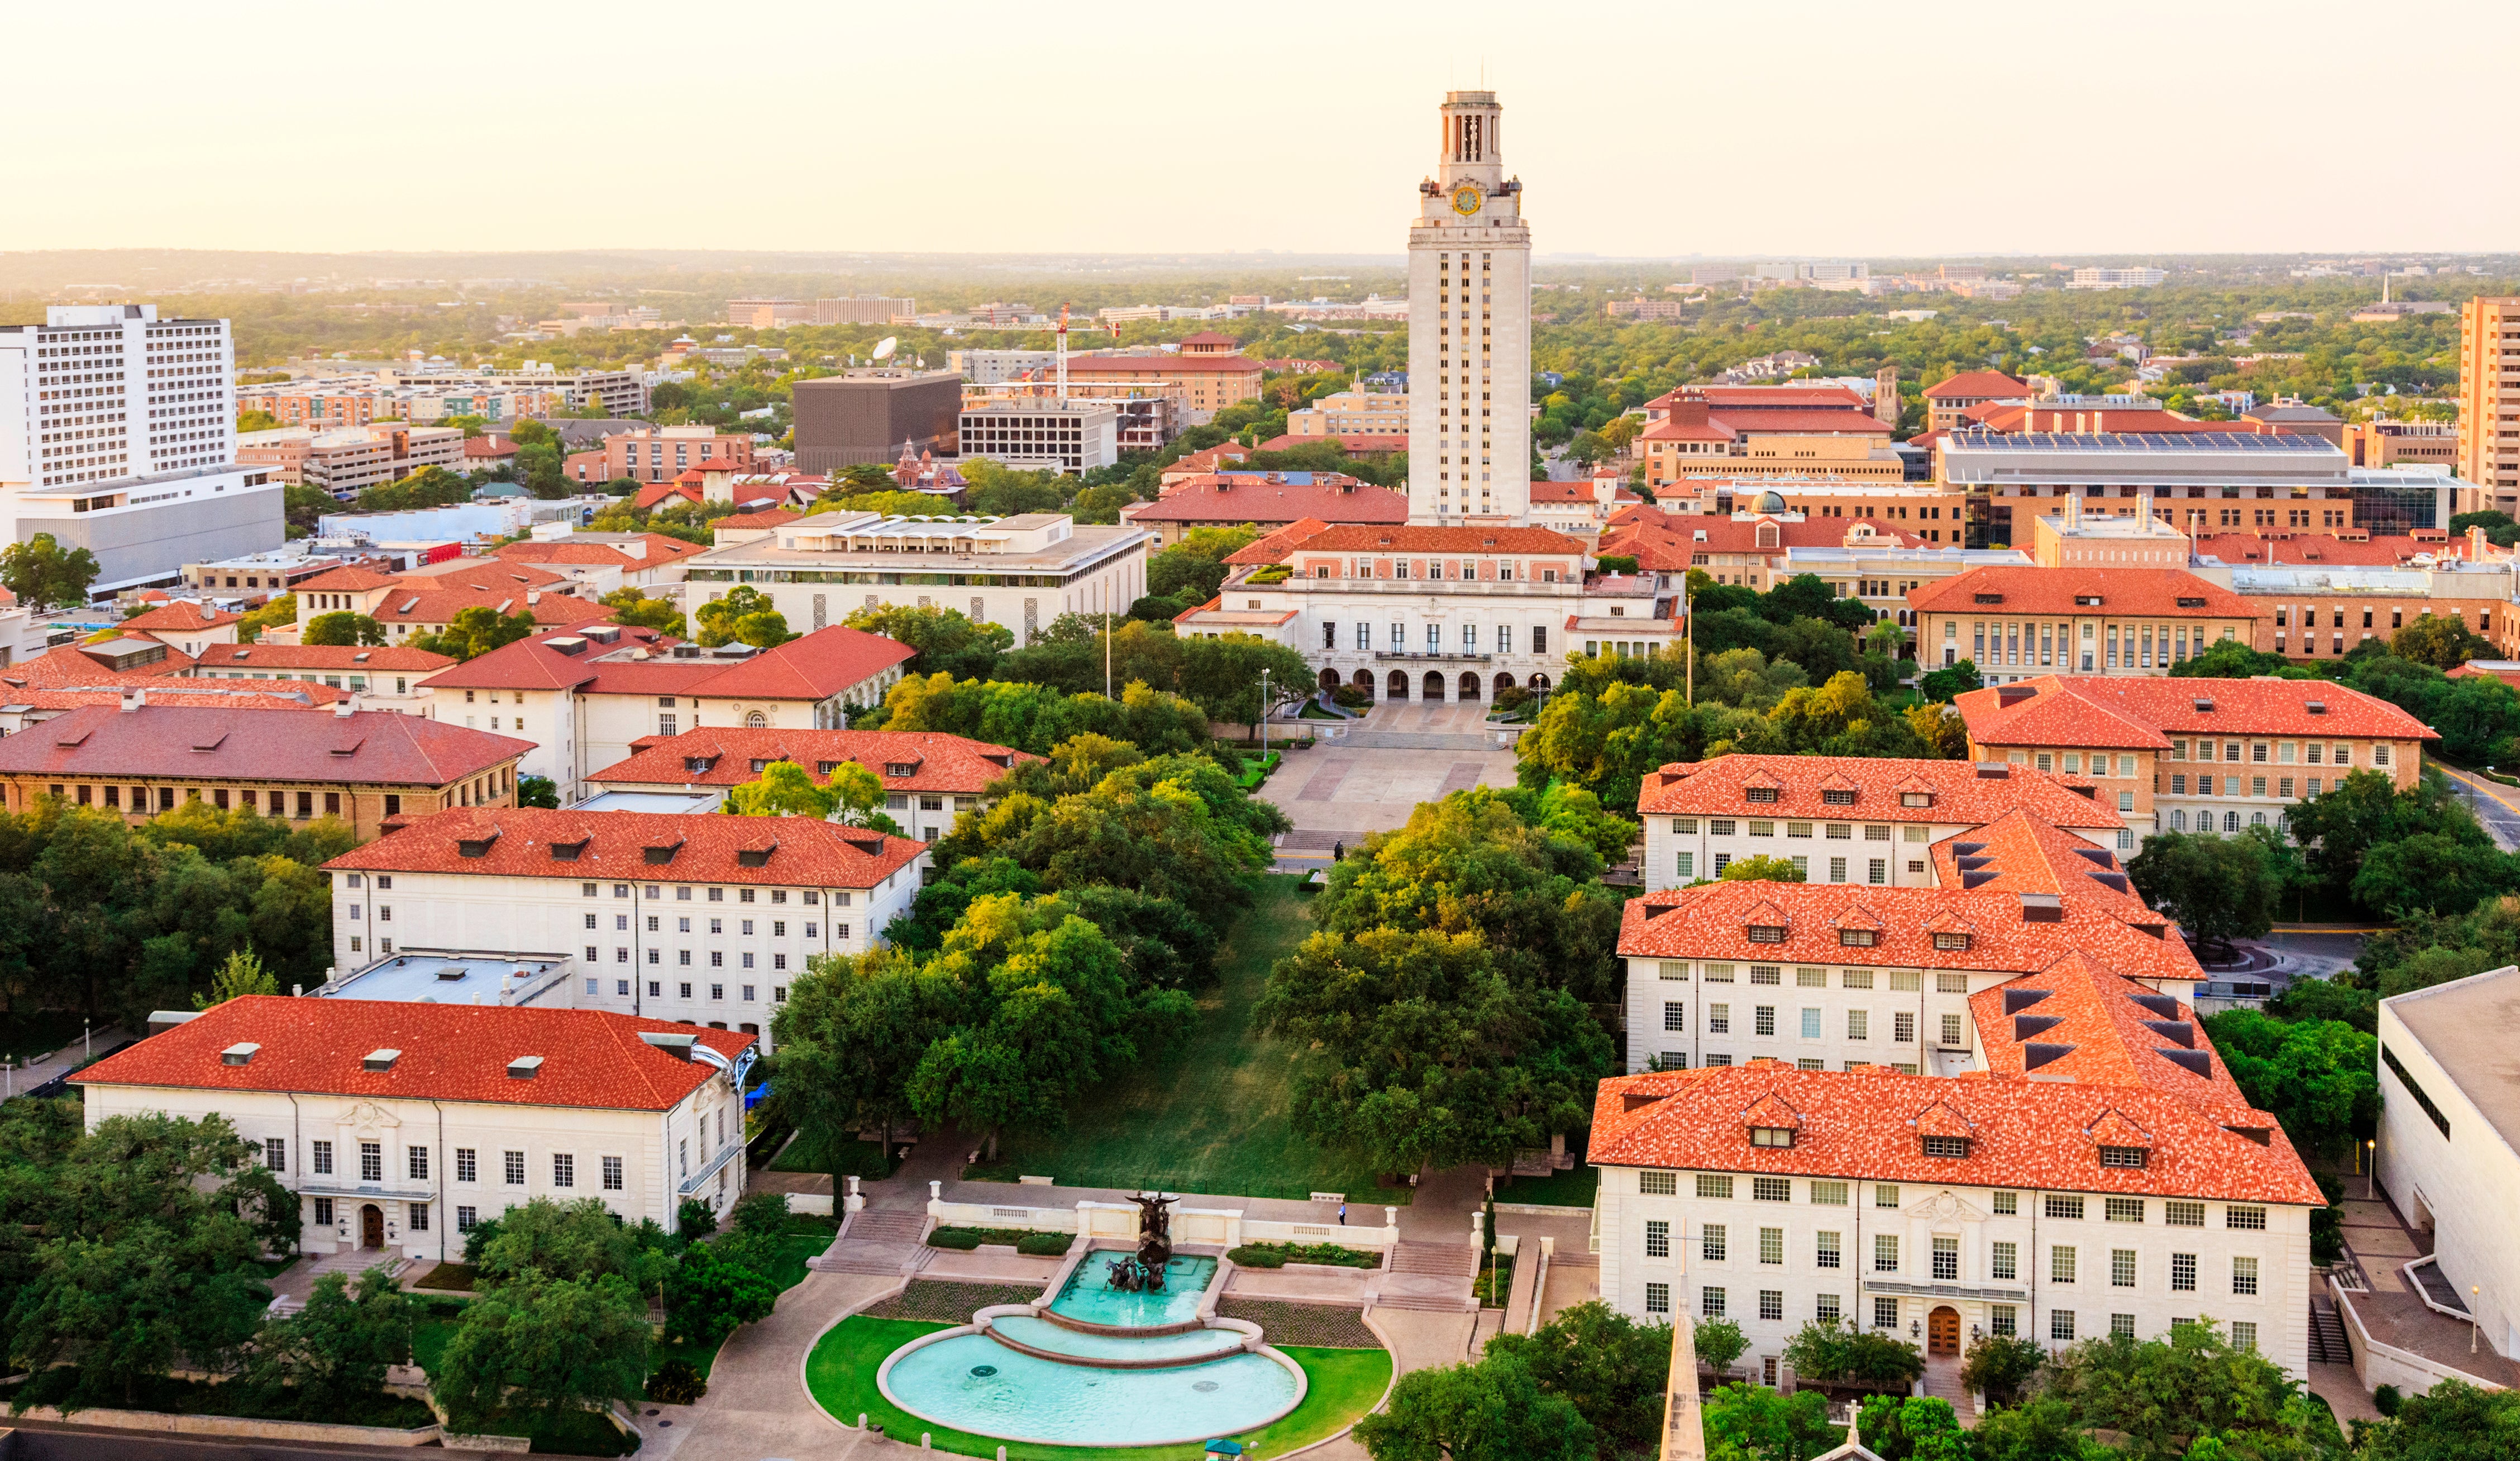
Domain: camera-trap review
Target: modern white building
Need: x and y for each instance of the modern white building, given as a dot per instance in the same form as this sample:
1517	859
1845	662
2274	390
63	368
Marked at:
2115	279
1021	572
700	918
1469	328
401	1124
117	435
1042	434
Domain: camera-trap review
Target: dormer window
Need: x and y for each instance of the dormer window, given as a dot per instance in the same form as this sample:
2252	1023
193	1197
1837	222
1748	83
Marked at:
2124	1156
1956	942
1858	938
1838	798
699	764
1915	799
1766	933
1949	1148
1772	1135
1759	794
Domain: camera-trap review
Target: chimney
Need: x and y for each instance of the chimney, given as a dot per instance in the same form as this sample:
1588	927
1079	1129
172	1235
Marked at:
344	708
134	698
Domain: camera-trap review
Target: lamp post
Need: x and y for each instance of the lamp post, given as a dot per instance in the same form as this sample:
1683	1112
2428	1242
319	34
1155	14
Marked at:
2473	1291
2371	1160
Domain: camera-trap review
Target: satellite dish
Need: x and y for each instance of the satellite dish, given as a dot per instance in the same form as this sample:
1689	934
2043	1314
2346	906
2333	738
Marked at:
884	348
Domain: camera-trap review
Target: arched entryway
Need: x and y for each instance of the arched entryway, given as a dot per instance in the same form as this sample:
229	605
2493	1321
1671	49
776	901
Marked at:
1329	680
372	1225
1434	689
1400	685
1469	686
1943	1331
1504	683
1363	679
1540	681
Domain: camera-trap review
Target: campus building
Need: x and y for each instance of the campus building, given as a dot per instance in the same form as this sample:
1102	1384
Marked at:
929	777
2489	410
400	1126
2011	622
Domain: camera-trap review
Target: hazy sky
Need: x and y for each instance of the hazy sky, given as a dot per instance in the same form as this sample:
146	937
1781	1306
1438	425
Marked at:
1792	126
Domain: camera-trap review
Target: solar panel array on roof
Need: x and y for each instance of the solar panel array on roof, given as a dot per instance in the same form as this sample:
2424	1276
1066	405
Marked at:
2158	441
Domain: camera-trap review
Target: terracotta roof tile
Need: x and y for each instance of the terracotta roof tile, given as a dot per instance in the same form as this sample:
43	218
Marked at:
1273	547
697	848
1082	366
369	747
371	658
1470	540
2142	711
177	617
1249	496
74	665
2324	547
2024	1134
938	761
449	1053
2122	592
1976	386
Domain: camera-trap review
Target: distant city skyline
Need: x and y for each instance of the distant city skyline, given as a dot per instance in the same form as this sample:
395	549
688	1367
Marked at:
1971	129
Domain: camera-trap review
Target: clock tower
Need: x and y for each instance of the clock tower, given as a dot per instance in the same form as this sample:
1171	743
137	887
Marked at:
1470	330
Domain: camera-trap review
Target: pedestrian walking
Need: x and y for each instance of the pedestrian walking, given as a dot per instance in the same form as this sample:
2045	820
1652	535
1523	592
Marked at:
1338	851
1342	1215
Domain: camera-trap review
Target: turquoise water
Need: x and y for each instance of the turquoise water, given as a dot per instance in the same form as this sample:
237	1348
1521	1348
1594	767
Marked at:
1070	1404
1089	1296
1180	1348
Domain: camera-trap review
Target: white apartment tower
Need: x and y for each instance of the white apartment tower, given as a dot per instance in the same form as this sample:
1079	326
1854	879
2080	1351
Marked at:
1470	330
118	434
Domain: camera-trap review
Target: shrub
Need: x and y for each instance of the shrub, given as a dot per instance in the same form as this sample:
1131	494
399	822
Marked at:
959	1239
1831	1352
676	1382
1257	1256
2387	1401
1043	1244
1351	697
1278	1255
2001	1366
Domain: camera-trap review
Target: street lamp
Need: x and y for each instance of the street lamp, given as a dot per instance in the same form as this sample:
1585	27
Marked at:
2370	1175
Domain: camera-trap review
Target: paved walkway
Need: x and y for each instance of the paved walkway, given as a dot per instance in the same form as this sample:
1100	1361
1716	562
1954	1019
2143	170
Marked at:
1341	790
61	1062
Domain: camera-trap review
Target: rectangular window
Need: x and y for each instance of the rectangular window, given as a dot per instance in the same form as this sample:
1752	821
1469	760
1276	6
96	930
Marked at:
1719	1188
1674	1014
1710	1241
416	1162
2182	1273
1658	1183
2067	1209
613	1173
1771	1189
323	1211
563	1169
1657	1297
512	1169
1828	1194
1810	1024
1885	1195
1902	1027
2124	1209
2004	1261
1687	864
2004	1319
2245	1275
2244	1336
1657	1239
1710	1304
1719	1019
467	1169
466	1220
2253	1218
417	1215
1952	1035
1826	1252
1859	1024
1771	1246
2060	1264
275	1153
1885	1253
371	1161
2060	1324
1825	1308
1772	1303
2122	1325
1885	1313
2183	1213
1946	1259
1764	1019
2121	1268
2007	1203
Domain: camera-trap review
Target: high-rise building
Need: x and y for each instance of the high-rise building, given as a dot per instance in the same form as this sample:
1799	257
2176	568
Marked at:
118	434
1470	330
2488	408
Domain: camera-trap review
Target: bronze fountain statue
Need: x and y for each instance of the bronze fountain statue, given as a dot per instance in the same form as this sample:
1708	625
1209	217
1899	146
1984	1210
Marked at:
1143	1271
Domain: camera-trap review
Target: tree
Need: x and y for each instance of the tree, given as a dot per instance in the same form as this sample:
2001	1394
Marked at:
544	1344
783	790
1429	1054
1826	1351
241	974
1913	1428
2001	1366
631	605
2317	1075
2499	528
1490	1411
2433	871
537	791
2230	659
941	639
1753	1423
850	1037
1610	1368
342	627
2191	1383
1223	676
707	1295
332	1354
477	631
303	506
2218	888
1762	869
858	797
2453	1421
429	487
271	615
46	576
1717	1342
745	616
2442	640
571	1240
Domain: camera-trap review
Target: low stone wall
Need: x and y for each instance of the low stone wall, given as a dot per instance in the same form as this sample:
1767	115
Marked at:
304	1432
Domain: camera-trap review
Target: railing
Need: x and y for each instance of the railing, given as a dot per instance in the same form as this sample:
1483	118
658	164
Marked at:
691	1183
1222	1228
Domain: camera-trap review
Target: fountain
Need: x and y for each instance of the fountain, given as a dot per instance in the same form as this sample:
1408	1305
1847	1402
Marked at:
1123	1351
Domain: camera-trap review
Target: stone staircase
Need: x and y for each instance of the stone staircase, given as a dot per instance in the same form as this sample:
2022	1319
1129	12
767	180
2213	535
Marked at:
1430	1276
881	1241
1943	1383
2327	1344
297	1282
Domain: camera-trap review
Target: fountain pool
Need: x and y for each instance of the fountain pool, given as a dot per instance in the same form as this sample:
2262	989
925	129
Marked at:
1089	1296
971	1382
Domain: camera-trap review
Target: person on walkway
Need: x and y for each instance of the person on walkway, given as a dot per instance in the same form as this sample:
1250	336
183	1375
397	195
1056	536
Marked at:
1342	1215
1338	851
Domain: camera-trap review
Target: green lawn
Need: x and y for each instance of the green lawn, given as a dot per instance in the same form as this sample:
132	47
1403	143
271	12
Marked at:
1213	1116
1342	1385
1572	1188
848	1157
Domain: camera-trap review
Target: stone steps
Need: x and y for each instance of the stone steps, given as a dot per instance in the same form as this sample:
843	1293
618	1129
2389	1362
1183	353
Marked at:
2328	1345
885	1225
1428	1302
1449	1259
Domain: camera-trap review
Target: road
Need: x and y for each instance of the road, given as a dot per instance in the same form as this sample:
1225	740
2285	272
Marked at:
2495	805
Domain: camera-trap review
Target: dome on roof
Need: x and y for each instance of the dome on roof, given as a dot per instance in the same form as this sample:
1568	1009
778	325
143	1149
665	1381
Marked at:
1772	501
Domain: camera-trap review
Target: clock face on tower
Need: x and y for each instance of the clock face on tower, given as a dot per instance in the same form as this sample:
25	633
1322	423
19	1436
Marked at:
1467	199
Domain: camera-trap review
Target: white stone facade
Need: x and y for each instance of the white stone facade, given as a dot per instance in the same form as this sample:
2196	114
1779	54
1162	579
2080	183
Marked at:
1469	328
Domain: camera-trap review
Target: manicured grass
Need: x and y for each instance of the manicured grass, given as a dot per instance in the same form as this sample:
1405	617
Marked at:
1342	1385
1213	1116
1572	1188
847	1158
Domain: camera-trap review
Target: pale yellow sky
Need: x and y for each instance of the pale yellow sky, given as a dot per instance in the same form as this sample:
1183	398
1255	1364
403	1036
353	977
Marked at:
1779	127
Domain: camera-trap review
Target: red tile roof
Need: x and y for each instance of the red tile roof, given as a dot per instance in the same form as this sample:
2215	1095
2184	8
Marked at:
1474	540
1249	496
2503	670
222	694
1751	420
74	665
1212	458
483	449
369	747
774	518
1973	385
2086	1017
347	579
1786	397
1561	492
427	601
449	1053
1665	542
812	667
2142	710
1865	1126
2122	592
697	847
1080	366
2322	548
1272	547
177	617
1957	791
656	492
346	657
938	761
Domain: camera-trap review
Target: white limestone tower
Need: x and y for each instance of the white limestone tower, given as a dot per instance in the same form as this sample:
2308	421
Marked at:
1470	330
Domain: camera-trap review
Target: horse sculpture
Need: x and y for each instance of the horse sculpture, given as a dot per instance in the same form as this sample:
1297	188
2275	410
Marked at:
1143	1271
